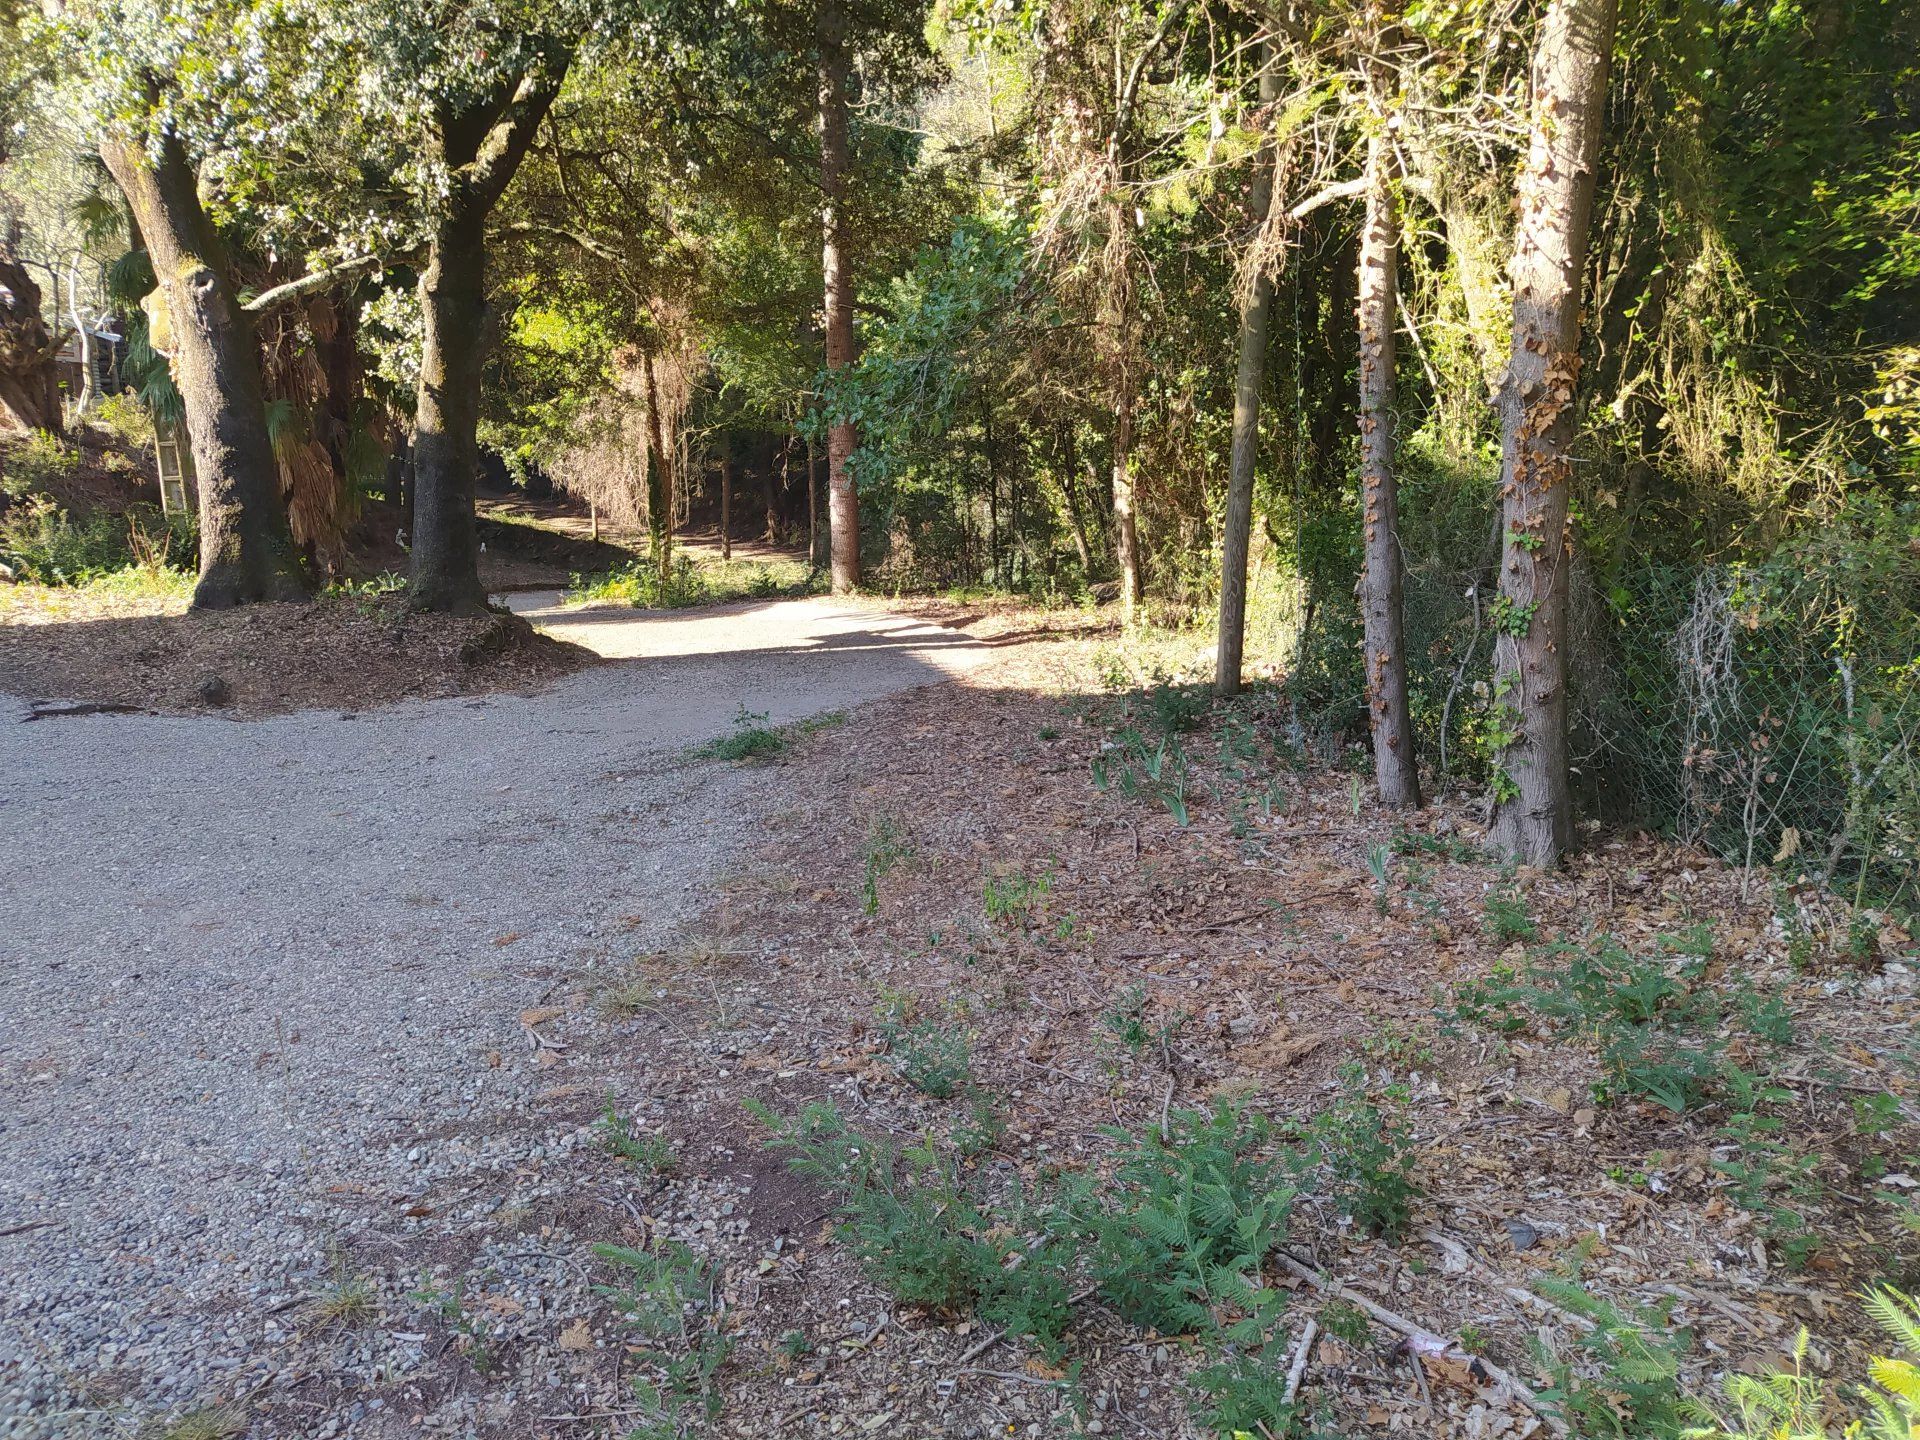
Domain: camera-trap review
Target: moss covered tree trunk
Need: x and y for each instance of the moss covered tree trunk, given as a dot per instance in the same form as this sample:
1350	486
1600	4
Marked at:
246	552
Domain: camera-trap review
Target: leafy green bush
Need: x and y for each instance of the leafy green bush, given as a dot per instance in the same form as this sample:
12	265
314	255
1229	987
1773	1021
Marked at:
30	465
1365	1157
44	545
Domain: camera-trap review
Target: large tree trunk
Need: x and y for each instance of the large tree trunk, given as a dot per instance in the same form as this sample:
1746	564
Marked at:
453	303
246	552
843	506
659	481
1533	814
1395	769
1237	524
481	144
29	379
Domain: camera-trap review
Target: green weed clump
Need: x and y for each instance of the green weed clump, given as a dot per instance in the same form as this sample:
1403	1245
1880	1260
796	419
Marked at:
667	1294
1656	1024
140	552
1174	1234
651	1154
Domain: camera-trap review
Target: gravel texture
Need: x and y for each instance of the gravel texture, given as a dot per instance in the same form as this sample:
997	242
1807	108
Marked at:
274	989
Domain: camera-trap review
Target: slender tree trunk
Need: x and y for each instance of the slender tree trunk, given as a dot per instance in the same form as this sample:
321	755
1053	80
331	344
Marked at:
775	491
726	497
1070	487
843	505
816	554
659	481
1120	342
246	552
1256	309
453	303
1533	811
29	378
1126	538
1389	716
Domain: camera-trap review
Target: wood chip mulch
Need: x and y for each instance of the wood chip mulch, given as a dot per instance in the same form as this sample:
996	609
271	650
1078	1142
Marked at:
1254	937
338	652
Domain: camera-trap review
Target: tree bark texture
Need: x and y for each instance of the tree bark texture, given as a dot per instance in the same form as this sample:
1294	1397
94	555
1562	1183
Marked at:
29	378
453	301
1533	811
1256	310
1389	715
246	551
843	508
482	145
659	480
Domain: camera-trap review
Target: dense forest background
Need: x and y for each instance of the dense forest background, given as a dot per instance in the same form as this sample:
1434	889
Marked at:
981	296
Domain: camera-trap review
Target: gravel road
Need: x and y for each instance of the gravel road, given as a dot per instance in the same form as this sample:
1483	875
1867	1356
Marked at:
262	982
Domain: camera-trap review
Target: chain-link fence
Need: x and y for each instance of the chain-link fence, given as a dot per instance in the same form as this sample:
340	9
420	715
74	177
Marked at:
1766	711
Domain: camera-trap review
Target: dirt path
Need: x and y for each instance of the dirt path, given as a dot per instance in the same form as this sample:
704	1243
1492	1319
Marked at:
274	989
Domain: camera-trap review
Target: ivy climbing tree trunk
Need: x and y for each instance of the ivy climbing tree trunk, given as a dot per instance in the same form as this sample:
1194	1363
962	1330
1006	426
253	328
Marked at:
843	508
1533	809
1389	715
246	552
481	144
1256	309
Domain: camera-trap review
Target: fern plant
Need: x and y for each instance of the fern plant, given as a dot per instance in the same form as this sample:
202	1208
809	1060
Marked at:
1793	1405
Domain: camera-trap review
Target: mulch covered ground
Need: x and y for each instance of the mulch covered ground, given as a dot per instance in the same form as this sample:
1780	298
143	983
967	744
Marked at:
1254	949
66	648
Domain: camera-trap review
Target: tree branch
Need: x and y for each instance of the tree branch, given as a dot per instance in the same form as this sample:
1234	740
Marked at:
323	279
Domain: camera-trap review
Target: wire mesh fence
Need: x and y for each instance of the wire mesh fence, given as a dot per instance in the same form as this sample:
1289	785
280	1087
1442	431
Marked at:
1766	711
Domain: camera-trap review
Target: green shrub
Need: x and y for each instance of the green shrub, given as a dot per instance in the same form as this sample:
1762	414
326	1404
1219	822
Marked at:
1364	1156
1631	1388
935	1059
752	739
887	845
43	544
28	466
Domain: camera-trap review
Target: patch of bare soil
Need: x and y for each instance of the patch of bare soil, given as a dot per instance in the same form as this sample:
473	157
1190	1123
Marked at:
338	652
945	871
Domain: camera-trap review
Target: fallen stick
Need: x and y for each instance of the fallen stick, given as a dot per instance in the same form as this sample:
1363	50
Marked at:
1521	1392
1298	1368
